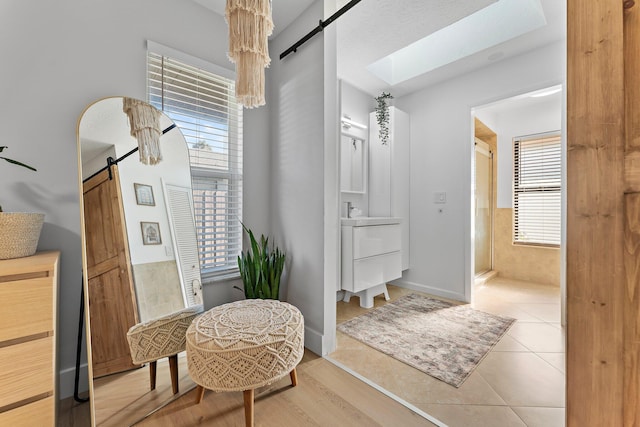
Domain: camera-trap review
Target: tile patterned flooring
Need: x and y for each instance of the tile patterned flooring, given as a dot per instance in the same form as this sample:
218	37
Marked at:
521	381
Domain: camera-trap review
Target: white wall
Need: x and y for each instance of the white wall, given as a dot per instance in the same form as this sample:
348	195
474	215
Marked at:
174	169
59	57
441	149
542	117
299	88
91	166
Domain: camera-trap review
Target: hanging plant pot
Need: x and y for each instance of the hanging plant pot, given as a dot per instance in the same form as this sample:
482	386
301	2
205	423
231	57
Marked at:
20	234
382	116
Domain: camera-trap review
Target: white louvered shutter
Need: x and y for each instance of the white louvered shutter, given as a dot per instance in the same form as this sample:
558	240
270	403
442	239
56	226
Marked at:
179	207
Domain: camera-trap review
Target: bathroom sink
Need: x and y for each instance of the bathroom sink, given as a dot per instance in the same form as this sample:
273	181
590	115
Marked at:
370	220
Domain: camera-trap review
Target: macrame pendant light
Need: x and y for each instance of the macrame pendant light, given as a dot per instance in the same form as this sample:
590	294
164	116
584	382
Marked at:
144	121
250	25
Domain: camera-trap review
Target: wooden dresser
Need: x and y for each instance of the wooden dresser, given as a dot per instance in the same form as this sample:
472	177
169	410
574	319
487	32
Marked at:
28	291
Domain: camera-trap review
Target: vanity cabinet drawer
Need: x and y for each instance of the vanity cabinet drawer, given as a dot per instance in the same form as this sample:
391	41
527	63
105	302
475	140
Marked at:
26	370
26	307
375	240
376	270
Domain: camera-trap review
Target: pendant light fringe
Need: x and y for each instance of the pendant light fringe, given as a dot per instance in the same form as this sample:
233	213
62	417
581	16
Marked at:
250	25
144	122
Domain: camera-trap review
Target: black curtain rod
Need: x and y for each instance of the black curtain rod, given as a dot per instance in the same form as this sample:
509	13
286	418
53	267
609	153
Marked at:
111	161
320	27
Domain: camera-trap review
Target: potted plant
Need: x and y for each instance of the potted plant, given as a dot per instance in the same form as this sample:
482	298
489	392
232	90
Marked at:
382	116
261	268
20	230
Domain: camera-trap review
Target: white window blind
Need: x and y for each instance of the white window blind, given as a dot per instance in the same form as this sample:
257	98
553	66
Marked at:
203	106
537	189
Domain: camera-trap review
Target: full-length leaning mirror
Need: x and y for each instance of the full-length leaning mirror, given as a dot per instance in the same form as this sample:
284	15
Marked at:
140	259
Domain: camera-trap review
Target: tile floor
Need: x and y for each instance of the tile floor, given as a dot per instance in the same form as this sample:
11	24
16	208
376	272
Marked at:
520	382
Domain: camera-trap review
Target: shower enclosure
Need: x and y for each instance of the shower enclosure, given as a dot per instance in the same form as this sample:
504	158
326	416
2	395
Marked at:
483	196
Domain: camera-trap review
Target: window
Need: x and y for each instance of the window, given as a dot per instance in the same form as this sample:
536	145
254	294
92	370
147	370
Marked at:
537	189
203	106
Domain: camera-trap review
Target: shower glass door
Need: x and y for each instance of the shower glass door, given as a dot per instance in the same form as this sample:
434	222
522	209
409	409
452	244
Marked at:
483	213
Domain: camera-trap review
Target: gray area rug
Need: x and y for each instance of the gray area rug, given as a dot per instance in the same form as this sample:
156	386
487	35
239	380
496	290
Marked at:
443	340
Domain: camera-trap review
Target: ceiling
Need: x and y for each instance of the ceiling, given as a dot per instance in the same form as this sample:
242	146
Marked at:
284	12
551	103
374	29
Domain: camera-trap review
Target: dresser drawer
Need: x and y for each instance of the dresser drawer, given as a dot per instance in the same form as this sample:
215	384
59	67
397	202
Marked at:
375	240
40	413
376	270
26	370
27	308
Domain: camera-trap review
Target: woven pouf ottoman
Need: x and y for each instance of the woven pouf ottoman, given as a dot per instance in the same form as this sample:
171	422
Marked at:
244	345
161	337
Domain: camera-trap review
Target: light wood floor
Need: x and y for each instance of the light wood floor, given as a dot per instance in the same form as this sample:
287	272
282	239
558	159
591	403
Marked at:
124	398
73	414
325	396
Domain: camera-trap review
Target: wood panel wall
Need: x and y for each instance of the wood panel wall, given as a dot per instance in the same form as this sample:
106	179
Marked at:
603	214
632	216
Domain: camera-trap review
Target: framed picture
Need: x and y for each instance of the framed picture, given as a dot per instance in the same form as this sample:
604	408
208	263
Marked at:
144	194
150	233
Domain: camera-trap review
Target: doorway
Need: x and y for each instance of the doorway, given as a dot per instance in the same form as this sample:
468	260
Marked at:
518	234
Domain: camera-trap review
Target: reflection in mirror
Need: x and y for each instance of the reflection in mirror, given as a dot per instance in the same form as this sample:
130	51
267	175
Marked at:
353	161
141	255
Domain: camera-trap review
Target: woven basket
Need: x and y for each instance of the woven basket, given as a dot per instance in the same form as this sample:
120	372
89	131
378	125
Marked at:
19	234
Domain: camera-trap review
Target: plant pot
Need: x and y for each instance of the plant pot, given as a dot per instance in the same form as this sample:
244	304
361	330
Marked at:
284	283
19	234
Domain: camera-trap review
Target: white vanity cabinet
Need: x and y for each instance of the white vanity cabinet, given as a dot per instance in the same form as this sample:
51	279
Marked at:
371	256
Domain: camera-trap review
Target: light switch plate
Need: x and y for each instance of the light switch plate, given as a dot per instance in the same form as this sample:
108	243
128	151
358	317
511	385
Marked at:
440	197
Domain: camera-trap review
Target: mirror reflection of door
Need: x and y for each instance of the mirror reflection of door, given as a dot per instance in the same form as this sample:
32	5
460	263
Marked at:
483	213
353	160
108	273
133	274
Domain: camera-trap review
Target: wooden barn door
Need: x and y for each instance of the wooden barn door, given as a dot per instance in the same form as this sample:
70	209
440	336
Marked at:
603	213
112	303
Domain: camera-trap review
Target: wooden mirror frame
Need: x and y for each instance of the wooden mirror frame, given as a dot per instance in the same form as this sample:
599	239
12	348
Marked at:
144	401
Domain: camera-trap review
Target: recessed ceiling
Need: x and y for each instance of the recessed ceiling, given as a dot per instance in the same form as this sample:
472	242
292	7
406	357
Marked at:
465	37
374	29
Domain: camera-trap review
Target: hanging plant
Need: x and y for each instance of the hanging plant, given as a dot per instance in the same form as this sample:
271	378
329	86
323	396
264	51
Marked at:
382	116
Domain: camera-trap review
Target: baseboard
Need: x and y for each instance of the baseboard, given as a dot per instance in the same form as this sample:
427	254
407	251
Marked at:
313	340
429	290
67	378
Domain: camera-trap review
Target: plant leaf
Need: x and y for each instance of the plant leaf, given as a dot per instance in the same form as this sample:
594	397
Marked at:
15	162
261	267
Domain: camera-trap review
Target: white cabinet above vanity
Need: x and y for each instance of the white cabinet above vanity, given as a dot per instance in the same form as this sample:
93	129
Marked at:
371	256
389	176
